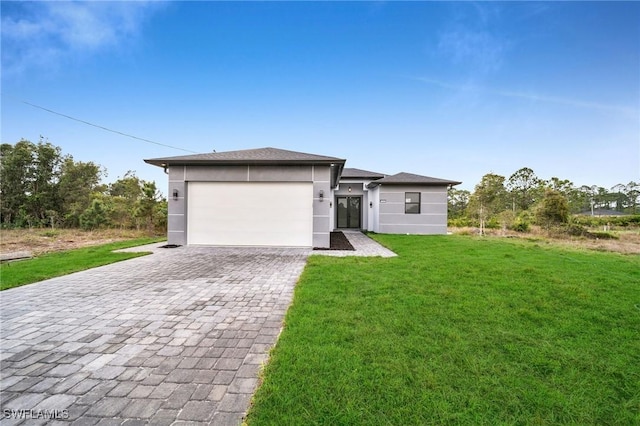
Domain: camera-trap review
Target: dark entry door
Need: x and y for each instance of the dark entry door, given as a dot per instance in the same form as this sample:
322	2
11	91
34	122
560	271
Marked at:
349	212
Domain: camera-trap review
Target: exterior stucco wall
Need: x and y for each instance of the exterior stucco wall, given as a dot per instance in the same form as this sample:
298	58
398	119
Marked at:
177	210
179	176
393	219
321	177
374	223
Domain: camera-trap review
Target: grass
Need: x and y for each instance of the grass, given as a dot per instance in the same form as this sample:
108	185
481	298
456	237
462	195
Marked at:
50	265
459	330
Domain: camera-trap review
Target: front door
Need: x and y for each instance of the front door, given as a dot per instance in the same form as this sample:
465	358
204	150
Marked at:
349	212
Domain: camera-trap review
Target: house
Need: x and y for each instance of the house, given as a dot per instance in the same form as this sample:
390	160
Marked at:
602	213
275	197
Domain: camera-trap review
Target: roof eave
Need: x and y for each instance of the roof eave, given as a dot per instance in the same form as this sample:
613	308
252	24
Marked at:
446	183
160	162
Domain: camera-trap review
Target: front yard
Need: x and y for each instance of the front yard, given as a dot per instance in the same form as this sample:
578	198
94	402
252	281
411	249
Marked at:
459	330
58	263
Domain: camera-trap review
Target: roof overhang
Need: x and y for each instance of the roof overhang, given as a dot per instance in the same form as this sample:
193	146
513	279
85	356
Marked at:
335	165
447	183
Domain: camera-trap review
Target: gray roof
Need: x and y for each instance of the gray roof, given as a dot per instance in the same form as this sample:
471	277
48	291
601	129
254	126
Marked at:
246	156
411	179
603	212
351	173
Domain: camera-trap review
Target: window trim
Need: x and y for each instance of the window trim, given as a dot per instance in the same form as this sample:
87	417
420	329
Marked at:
407	203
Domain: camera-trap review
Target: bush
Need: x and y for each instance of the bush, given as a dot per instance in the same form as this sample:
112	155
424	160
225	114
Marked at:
553	209
575	230
461	222
492	223
597	221
94	216
520	226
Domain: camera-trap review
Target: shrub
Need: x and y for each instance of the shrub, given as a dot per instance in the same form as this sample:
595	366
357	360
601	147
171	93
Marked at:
575	230
554	209
595	222
520	226
461	222
492	223
94	216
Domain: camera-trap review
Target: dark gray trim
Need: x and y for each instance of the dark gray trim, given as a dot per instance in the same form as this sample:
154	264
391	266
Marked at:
254	157
247	156
412	179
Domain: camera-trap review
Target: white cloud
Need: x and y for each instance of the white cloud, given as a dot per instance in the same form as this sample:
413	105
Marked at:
478	49
530	96
469	40
44	33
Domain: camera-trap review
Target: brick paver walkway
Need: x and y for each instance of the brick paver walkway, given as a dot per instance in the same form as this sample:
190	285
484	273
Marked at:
363	245
177	337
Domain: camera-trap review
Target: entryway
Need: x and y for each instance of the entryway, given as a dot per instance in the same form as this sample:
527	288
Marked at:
349	212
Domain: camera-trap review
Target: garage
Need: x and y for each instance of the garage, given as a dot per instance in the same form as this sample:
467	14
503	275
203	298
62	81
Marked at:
250	213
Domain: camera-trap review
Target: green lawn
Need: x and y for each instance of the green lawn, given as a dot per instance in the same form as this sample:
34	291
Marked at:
14	274
459	330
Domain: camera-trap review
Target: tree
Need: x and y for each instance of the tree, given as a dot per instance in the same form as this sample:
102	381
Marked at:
588	197
632	192
619	197
94	216
42	192
41	187
146	205
125	194
16	172
458	199
29	176
575	196
553	209
524	188
488	198
78	181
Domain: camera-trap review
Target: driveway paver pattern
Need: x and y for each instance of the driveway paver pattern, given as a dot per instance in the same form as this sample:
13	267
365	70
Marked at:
177	337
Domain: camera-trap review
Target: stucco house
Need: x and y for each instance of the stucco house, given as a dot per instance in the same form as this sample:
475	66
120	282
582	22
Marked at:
275	197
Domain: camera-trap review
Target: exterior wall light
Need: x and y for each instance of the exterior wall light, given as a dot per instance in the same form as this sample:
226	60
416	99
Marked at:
175	194
349	189
321	195
370	204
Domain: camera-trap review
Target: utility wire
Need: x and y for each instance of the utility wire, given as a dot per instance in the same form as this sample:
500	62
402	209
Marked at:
102	127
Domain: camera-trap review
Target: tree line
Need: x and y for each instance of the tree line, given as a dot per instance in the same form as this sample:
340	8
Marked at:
39	186
523	199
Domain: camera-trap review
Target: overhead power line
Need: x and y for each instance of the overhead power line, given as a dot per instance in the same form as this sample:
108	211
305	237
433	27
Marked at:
102	127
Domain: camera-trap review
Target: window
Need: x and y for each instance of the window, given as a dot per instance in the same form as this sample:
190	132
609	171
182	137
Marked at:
412	202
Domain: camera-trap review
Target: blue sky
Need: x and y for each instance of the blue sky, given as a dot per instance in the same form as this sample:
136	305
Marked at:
447	89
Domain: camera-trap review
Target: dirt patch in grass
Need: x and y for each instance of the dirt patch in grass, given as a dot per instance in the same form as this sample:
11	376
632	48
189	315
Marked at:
39	241
626	241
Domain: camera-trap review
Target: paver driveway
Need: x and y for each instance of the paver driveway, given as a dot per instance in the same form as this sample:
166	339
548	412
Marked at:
172	337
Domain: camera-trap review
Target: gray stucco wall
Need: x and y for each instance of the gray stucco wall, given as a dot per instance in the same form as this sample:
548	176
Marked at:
433	210
179	176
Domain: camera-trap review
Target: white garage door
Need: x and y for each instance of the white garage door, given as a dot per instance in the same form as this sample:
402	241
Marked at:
250	213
